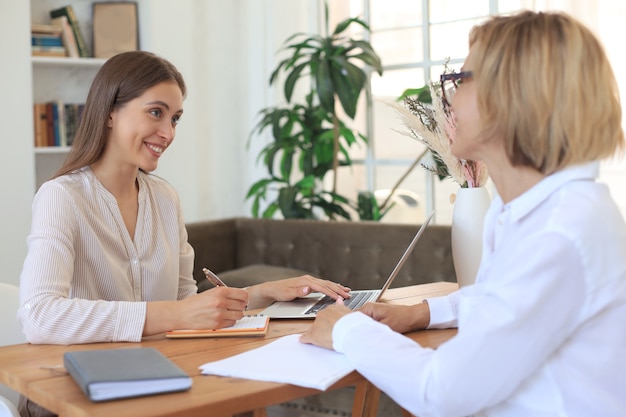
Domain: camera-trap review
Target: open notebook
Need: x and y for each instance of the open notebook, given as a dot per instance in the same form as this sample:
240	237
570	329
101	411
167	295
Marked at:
307	307
246	326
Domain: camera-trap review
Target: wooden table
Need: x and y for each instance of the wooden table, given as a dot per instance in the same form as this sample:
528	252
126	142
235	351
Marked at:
36	371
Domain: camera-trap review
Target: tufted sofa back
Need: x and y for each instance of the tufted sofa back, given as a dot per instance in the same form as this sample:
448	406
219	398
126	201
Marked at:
358	254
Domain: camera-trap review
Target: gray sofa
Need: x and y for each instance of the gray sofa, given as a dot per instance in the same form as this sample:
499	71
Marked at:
361	255
244	251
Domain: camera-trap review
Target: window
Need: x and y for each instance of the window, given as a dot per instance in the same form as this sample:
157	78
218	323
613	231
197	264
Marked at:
414	39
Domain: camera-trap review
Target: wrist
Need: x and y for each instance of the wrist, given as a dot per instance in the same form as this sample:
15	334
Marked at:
161	316
258	297
421	315
425	313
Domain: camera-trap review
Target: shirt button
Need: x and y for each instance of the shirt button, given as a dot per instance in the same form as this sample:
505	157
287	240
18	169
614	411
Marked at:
135	261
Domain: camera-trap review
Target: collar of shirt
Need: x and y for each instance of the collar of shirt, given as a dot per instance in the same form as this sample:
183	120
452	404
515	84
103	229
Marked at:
532	198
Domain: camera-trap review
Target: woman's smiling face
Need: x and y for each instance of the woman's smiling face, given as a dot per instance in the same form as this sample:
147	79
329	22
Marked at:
143	128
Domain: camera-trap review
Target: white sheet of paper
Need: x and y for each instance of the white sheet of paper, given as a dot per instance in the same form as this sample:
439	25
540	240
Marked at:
285	360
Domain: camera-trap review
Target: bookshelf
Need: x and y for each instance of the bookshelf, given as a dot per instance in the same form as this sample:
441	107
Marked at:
59	78
65	79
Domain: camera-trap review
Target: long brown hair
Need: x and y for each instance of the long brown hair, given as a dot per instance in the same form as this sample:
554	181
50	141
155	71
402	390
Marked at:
121	79
545	83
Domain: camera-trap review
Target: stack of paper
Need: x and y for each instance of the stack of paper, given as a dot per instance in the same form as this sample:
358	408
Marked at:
285	360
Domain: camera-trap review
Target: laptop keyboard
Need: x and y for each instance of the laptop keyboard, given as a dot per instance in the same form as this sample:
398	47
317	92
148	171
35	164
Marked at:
356	301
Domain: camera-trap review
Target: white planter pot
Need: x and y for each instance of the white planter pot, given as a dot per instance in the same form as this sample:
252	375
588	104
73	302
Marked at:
468	214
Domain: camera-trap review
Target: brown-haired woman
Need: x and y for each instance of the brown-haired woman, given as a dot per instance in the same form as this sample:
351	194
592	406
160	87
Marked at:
108	258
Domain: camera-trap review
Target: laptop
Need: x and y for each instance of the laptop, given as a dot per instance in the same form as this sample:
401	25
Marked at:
307	307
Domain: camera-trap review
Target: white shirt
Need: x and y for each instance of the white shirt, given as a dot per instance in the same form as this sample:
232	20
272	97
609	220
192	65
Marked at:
85	279
541	333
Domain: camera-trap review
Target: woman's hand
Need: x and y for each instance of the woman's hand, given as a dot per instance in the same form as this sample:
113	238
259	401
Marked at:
321	332
401	319
212	309
291	288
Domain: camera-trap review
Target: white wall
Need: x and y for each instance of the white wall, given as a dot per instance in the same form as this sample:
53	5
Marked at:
226	51
16	121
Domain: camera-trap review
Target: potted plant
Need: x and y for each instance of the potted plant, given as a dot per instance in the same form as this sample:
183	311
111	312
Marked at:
311	135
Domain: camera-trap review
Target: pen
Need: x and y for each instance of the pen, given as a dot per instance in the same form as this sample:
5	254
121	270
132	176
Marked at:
214	279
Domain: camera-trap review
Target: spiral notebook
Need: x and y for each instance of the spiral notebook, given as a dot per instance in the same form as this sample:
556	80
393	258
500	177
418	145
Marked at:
254	325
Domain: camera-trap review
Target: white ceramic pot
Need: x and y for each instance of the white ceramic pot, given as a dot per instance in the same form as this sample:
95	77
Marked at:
468	214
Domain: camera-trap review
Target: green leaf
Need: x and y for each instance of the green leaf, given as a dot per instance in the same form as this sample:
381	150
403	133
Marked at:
348	135
259	186
348	84
277	70
324	85
338	197
287	202
343	25
255	206
286	163
270	211
367	206
290	82
422	94
269	158
371	60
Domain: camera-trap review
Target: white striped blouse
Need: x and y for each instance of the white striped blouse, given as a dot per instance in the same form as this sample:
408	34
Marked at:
85	279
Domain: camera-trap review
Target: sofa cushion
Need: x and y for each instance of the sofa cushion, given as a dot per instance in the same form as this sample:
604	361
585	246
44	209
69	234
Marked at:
254	274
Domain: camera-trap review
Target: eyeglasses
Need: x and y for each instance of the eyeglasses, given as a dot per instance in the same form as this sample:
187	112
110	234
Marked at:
449	83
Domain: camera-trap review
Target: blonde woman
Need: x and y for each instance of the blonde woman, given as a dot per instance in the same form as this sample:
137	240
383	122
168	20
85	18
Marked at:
541	332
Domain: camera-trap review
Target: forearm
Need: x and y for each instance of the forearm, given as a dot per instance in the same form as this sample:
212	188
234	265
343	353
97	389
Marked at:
161	316
59	320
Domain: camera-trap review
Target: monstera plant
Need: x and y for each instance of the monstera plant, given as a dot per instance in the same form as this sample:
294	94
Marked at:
311	135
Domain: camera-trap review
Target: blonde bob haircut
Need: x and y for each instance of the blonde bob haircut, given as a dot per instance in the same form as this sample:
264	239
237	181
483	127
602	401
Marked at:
545	85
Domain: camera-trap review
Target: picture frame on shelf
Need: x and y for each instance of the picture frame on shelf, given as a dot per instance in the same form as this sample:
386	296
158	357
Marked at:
115	28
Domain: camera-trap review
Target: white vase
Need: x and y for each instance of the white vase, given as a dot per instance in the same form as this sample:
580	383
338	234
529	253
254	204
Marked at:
468	214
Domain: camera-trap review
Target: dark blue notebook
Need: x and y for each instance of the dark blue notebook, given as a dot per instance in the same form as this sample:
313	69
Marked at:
107	374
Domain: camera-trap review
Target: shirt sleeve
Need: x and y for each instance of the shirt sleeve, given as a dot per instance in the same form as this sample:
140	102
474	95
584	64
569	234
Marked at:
507	329
443	311
47	312
187	285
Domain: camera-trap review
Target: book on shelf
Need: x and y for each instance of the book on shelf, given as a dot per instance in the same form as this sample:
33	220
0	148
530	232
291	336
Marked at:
44	28
55	123
39	122
52	51
46	40
72	118
247	326
107	374
69	40
68	11
50	124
